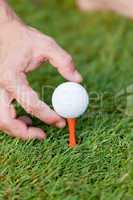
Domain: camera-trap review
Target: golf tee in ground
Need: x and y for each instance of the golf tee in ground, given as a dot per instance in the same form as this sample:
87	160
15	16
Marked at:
72	132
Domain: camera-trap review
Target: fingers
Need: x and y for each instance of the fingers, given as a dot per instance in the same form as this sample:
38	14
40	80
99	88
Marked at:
30	101
64	63
15	127
36	133
59	58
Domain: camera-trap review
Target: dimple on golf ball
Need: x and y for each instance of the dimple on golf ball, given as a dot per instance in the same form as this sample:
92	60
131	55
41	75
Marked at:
70	100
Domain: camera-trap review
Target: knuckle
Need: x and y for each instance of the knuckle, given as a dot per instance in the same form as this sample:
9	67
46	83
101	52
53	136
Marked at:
50	42
33	110
33	106
6	78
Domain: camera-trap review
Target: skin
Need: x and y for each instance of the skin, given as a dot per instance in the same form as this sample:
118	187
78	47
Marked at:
18	56
123	7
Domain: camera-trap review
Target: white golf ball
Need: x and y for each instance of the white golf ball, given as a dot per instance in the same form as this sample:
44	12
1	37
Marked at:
70	100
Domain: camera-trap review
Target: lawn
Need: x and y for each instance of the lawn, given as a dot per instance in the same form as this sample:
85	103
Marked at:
101	166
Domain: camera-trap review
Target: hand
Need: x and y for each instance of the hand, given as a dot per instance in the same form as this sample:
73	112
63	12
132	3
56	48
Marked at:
22	49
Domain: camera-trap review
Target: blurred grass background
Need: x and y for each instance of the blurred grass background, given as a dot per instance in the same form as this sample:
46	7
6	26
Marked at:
101	167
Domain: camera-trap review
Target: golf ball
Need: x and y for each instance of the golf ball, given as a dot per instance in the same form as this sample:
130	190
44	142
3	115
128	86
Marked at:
70	100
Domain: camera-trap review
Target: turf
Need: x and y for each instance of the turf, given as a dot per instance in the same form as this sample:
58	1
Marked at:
101	166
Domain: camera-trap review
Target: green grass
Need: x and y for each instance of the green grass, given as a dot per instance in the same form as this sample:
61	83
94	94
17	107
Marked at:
101	167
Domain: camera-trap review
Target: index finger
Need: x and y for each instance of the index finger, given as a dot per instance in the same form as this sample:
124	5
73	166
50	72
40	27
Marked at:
60	59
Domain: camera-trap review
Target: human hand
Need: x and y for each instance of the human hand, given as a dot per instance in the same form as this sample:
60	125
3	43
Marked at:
23	49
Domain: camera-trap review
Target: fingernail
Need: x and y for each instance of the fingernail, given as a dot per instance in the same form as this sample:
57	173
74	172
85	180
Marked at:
61	124
78	77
